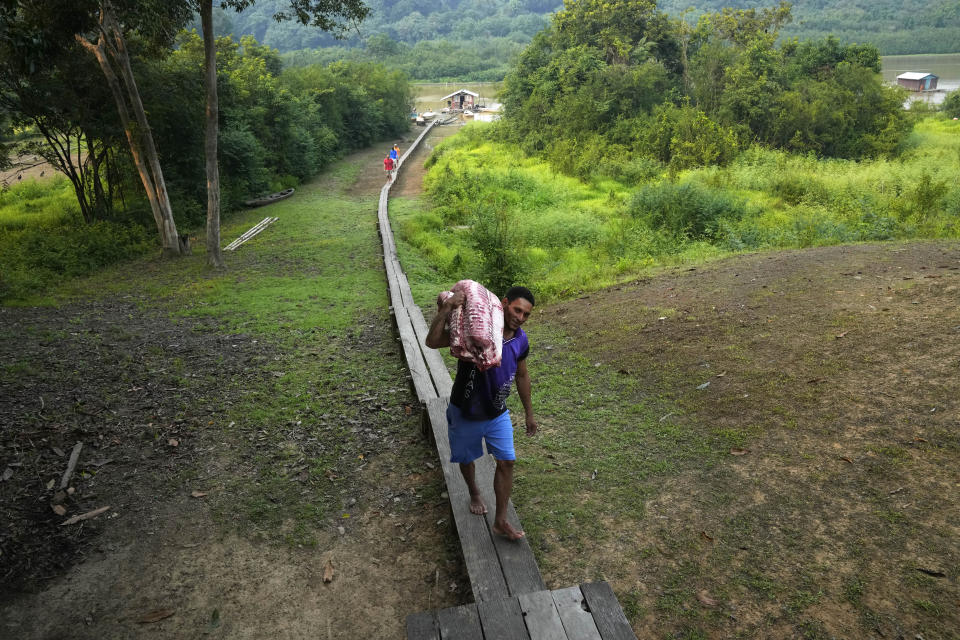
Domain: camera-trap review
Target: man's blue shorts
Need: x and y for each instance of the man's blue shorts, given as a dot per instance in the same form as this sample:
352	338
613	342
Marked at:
466	436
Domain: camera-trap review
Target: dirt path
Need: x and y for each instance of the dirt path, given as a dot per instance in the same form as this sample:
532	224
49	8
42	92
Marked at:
131	383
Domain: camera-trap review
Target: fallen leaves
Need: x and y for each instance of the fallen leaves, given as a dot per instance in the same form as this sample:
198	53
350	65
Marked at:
846	459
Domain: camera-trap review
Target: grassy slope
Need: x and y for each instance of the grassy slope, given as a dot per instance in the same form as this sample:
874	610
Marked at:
312	290
772	502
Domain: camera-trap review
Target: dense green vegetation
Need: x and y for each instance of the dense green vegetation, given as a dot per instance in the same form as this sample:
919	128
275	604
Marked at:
278	127
502	216
468	41
612	80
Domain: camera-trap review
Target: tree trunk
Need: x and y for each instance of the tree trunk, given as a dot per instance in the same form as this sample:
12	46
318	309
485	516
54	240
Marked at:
109	50
214	254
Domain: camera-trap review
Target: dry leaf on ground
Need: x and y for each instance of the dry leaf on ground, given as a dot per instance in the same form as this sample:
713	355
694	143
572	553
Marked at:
155	616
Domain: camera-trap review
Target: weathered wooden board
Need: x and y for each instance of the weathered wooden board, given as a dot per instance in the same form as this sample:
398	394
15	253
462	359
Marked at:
411	351
460	623
607	613
519	566
577	621
479	554
423	626
502	620
541	616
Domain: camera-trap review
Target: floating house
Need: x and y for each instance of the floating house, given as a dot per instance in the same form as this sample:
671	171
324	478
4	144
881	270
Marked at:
917	81
462	99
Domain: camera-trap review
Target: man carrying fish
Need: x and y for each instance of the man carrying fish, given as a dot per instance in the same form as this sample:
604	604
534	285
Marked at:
477	410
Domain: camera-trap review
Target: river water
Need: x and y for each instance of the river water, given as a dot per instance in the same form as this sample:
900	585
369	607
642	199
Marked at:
945	65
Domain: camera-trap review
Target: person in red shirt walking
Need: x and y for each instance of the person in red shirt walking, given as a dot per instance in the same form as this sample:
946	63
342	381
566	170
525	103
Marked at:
388	167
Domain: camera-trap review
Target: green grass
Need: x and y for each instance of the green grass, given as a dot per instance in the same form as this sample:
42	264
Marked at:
499	216
35	203
308	298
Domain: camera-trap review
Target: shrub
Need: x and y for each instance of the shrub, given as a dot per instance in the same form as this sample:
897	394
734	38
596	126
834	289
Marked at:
497	240
686	210
36	258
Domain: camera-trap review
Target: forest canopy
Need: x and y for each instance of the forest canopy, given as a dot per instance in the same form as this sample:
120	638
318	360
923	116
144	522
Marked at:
609	82
454	39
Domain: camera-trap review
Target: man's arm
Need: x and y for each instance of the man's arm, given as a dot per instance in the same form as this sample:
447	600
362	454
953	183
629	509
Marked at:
438	336
523	390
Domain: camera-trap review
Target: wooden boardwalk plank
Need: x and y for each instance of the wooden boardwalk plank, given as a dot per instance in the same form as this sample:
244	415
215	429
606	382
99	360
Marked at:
411	350
607	613
541	616
479	554
516	557
423	626
460	623
502	620
577	621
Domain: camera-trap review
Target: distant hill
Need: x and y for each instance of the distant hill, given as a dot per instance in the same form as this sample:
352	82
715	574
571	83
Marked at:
408	21
894	26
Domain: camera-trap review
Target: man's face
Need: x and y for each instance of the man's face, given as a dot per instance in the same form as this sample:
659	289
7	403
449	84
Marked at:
516	313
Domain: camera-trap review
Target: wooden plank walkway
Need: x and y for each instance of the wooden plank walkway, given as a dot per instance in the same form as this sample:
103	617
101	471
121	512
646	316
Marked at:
586	612
511	598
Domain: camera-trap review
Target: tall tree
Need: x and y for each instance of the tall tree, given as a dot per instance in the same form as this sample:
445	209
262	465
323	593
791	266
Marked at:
107	42
336	16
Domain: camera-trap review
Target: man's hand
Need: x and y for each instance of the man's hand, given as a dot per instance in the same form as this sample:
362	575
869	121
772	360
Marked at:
532	425
454	301
438	336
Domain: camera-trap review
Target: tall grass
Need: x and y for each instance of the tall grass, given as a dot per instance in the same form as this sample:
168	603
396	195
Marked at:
43	238
31	203
499	216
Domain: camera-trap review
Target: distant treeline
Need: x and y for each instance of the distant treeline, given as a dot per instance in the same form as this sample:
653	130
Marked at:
631	138
454	39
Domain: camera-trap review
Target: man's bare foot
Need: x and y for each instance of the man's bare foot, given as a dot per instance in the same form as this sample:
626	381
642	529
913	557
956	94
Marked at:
477	506
507	531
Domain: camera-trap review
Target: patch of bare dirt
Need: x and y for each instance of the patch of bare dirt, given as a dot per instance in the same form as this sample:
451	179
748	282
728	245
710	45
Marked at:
832	374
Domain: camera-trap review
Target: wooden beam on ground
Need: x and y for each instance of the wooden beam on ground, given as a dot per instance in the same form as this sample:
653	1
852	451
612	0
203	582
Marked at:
607	613
460	623
520	569
540	613
423	626
577	621
502	620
